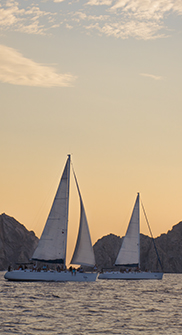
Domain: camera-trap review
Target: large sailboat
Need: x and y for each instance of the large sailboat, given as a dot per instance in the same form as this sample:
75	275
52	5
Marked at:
129	254
53	241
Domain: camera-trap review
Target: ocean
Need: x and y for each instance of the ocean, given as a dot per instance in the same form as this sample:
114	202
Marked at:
101	307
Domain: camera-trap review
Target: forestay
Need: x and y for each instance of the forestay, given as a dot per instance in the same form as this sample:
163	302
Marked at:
83	253
52	244
129	254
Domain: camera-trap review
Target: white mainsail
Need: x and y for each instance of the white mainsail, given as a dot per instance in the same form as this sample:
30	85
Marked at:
53	241
83	253
129	253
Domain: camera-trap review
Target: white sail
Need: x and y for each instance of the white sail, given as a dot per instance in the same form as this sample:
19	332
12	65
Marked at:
52	244
83	253
129	253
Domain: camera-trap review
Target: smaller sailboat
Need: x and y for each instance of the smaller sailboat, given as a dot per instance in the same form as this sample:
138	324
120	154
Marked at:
53	241
129	253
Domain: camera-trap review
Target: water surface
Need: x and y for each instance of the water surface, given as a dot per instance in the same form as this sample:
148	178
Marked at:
101	307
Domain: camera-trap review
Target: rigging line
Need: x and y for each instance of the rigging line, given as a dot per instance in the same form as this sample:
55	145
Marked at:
74	174
151	236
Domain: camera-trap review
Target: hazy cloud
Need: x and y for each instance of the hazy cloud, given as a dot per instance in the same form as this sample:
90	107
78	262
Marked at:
17	70
152	76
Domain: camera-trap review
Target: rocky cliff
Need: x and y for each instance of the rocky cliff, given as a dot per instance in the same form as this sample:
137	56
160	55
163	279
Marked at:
169	247
16	242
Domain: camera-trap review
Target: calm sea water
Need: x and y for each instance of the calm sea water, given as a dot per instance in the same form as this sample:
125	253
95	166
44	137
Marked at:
102	307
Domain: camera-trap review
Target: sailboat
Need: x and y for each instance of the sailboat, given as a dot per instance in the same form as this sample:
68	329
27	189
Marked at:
53	241
129	253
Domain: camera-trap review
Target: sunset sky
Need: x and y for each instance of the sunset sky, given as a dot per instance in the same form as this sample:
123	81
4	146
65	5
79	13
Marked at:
101	80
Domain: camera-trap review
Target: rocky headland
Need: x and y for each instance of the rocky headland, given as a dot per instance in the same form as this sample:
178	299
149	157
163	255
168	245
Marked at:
16	242
17	245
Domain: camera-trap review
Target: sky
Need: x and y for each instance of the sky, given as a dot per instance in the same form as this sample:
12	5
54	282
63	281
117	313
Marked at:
100	80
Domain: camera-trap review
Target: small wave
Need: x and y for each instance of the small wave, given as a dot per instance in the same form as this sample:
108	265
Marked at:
55	296
152	310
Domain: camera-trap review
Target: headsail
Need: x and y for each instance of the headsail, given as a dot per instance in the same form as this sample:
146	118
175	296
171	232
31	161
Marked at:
83	253
52	244
129	254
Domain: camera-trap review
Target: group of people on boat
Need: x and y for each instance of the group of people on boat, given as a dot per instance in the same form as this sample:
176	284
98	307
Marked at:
45	268
74	270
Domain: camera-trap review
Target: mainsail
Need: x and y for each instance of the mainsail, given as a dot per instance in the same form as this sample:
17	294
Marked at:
52	244
129	254
83	253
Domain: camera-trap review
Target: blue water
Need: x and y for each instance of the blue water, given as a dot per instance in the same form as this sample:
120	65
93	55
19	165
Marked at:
102	307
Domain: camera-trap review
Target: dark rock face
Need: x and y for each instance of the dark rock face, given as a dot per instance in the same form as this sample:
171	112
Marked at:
106	250
169	247
17	244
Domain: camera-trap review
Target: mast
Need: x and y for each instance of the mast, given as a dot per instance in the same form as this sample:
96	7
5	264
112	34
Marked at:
67	207
138	195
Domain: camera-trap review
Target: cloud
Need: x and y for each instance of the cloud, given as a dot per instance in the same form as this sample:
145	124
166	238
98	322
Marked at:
123	29
140	7
99	2
17	70
139	19
151	76
30	19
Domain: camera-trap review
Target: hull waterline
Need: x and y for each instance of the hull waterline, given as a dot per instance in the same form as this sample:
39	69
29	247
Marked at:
55	276
131	275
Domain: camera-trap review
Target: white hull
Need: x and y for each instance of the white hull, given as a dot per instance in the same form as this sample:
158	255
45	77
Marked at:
27	275
131	275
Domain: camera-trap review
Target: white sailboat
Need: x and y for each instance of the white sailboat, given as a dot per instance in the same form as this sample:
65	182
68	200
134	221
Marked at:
129	253
53	242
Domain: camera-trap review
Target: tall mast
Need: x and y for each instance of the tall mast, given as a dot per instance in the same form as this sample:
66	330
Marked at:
67	197
139	227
